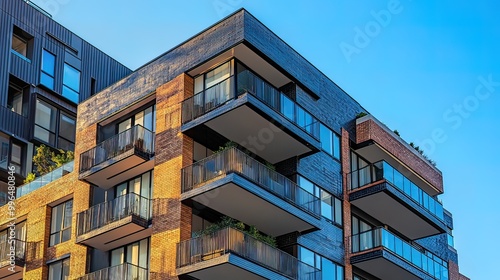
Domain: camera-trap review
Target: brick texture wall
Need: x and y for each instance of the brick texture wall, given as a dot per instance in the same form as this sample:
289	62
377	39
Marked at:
346	169
171	220
370	130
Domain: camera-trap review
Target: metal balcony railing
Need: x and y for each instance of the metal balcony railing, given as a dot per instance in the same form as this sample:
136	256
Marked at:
45	179
247	82
233	160
119	272
381	237
108	212
233	241
383	171
137	137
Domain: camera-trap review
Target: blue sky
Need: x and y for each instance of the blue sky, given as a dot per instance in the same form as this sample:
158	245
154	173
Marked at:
429	69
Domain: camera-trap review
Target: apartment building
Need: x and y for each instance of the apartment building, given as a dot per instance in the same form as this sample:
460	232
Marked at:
230	156
46	70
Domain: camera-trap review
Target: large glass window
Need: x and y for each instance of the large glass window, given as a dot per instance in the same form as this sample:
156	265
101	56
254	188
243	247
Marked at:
15	99
330	141
59	270
145	118
48	69
216	84
16	157
67	132
329	269
331	207
71	83
136	254
60	227
45	122
56	128
4	151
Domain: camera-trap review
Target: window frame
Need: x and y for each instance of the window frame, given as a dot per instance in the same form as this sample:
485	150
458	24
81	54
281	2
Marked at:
67	87
318	263
334	142
55	135
63	226
334	201
27	41
126	253
44	72
64	264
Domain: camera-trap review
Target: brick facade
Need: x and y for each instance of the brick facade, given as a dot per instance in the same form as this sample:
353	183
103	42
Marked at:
371	130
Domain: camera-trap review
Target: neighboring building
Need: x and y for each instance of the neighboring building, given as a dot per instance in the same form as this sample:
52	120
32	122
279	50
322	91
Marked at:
46	70
235	123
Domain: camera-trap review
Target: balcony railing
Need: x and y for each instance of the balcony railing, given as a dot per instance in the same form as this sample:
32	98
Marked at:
108	212
383	171
279	102
6	253
207	100
248	82
45	179
137	137
233	241
233	160
380	237
118	272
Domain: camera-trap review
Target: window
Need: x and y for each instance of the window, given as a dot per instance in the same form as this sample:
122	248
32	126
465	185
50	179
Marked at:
145	118
93	87
136	254
330	141
21	43
4	151
356	277
67	132
15	94
60	227
45	122
331	207
48	69
56	128
16	157
450	240
71	83
329	269
216	84
59	270
362	235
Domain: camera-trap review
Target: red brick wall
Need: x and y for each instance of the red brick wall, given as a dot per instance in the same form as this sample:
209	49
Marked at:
370	130
346	169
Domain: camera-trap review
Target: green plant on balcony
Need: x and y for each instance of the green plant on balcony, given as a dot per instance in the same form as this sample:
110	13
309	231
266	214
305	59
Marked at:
226	222
421	152
46	160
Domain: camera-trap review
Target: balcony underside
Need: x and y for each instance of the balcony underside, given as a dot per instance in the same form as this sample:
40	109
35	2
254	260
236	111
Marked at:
385	265
6	270
118	169
391	207
229	266
373	152
116	234
236	197
262	131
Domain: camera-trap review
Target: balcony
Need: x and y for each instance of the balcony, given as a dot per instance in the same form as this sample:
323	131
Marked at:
12	260
375	142
45	179
232	254
118	158
114	223
118	272
386	256
266	199
254	114
419	214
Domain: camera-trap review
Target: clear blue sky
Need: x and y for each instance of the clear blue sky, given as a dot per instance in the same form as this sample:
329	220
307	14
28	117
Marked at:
417	71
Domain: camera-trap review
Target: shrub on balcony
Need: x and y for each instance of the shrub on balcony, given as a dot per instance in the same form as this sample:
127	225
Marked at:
47	160
226	222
